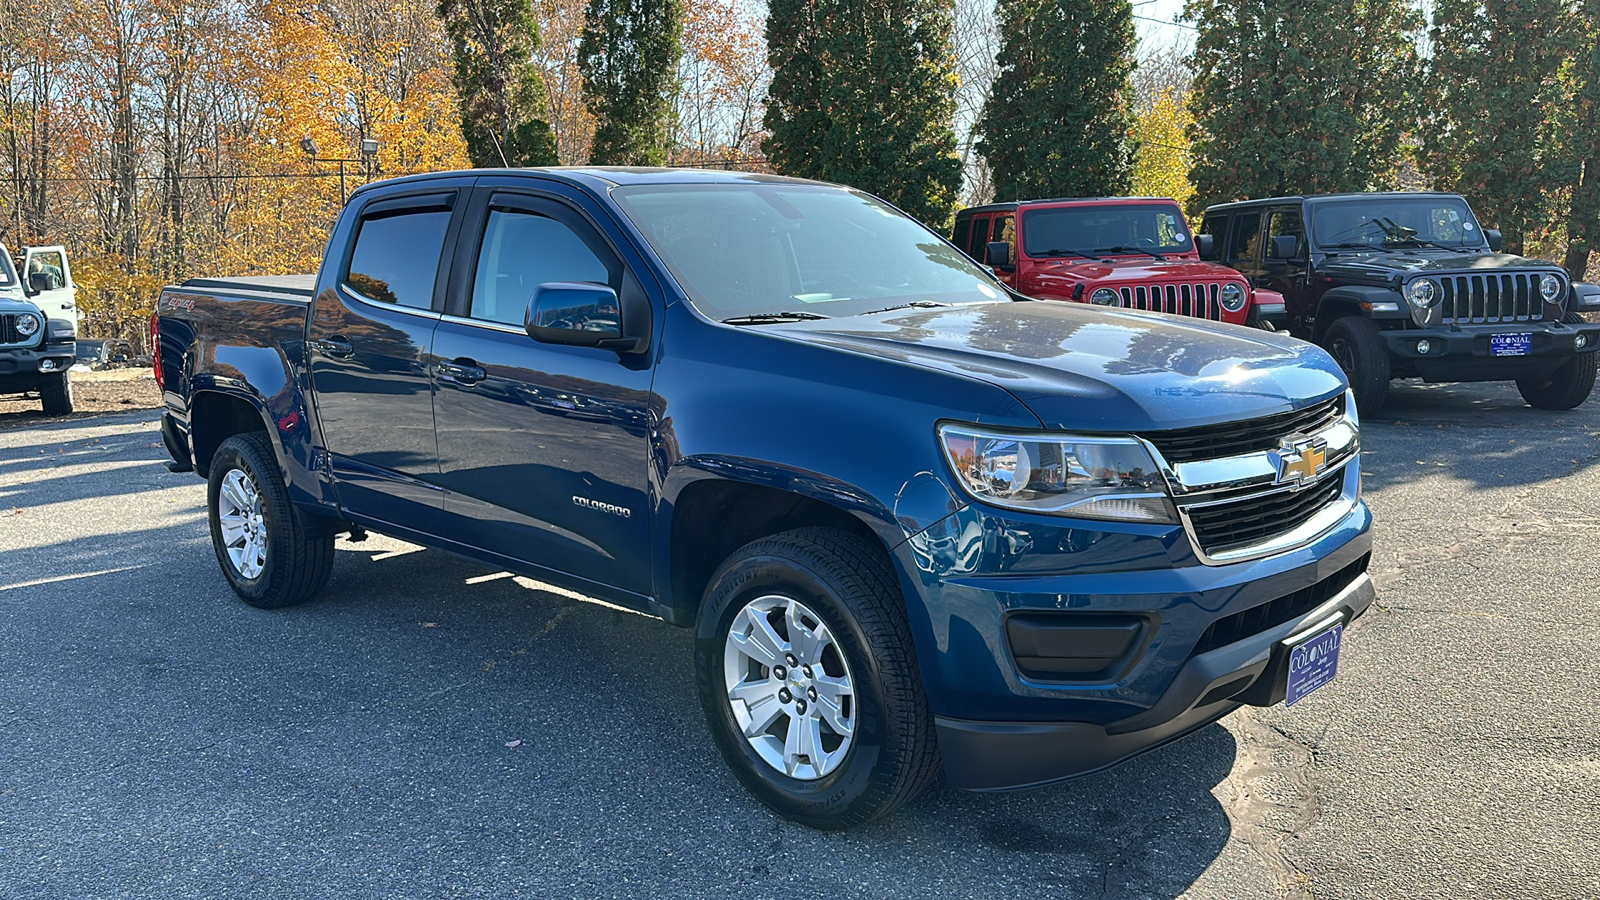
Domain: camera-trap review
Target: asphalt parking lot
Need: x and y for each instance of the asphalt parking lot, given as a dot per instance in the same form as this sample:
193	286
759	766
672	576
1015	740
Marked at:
433	728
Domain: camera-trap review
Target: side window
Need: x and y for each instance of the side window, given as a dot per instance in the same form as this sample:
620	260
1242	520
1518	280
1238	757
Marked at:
963	233
522	250
1285	223
396	257
980	239
51	266
1217	227
1246	243
1005	229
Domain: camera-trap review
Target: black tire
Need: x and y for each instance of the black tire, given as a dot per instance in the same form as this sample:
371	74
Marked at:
848	584
56	393
1356	346
298	563
1566	388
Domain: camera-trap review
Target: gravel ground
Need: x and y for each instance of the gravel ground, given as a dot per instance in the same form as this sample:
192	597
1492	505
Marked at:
107	390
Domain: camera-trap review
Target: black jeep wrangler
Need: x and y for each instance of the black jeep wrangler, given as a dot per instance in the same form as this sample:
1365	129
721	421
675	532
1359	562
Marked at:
1409	285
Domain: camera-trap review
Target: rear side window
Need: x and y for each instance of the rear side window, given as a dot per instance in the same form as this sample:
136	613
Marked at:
522	250
396	257
963	233
979	249
1246	243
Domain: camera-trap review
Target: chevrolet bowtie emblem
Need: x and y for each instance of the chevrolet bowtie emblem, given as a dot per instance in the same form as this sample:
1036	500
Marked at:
1300	461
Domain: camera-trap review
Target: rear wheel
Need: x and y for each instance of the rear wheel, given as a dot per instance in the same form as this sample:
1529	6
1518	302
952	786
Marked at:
1356	346
261	542
56	393
809	680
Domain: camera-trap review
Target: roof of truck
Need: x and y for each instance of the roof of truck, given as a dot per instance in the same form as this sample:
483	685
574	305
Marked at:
604	177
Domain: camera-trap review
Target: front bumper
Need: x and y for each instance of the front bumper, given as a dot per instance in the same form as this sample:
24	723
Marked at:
1463	353
993	756
22	368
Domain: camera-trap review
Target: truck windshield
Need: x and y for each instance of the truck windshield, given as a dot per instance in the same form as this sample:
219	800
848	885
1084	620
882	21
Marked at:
1113	228
761	253
8	275
1379	222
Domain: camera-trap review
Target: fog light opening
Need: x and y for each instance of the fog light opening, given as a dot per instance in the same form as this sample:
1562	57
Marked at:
1583	341
1423	347
47	365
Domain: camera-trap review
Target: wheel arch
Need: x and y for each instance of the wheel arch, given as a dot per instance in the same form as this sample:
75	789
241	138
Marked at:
216	414
1347	300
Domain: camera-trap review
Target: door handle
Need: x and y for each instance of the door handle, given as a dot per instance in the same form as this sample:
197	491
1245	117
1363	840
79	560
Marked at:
337	346
462	371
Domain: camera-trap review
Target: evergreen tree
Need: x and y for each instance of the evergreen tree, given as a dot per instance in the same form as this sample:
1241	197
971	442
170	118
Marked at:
1494	98
862	93
502	95
1298	96
1059	119
1580	139
629	60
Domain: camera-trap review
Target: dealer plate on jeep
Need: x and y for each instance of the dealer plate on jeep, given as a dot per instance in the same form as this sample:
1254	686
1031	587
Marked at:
1313	663
1510	344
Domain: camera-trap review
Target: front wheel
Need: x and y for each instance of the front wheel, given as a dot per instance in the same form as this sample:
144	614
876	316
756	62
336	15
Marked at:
55	393
262	544
809	679
1357	347
1566	388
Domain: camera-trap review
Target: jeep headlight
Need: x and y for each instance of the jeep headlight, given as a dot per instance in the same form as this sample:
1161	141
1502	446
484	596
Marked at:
1103	297
1423	293
1069	475
1232	297
27	324
1550	288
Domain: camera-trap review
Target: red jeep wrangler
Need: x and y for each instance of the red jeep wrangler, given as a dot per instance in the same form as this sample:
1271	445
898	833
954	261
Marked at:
1134	252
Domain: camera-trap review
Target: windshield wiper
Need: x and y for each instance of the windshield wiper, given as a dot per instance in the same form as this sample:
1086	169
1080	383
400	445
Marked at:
1063	251
1350	245
1418	242
1130	250
768	318
915	304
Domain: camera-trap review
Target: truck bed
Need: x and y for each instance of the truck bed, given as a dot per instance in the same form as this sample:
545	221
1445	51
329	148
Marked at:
277	286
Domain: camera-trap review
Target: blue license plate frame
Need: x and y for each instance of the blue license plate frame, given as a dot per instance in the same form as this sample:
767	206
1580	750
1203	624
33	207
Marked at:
1313	663
1520	344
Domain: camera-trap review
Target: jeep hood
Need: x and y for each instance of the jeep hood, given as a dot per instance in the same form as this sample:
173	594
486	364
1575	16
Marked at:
1397	264
1086	368
1126	270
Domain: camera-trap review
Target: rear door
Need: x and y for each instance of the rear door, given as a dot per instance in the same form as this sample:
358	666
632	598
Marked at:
369	337
47	277
543	449
1245	245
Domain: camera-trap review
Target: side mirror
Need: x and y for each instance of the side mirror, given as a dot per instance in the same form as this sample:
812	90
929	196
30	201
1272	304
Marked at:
578	314
1285	246
38	282
999	254
1495	241
1206	245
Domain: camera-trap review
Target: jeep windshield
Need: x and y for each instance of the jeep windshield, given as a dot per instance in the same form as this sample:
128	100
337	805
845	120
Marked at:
759	253
1142	229
1379	222
8	275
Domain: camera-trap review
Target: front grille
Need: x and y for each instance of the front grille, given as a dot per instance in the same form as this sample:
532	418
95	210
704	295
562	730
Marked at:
1512	297
1273	613
1248	436
1255	518
1196	300
8	331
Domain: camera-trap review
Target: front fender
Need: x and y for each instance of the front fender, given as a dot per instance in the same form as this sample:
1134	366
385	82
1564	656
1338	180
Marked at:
1372	301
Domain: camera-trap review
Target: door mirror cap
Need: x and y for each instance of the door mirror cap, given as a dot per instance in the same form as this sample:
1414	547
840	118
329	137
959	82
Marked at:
1285	246
578	314
1206	245
999	254
1495	241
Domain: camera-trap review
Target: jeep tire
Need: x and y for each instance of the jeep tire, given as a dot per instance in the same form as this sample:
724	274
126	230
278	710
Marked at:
1357	347
1565	388
267	554
807	673
55	393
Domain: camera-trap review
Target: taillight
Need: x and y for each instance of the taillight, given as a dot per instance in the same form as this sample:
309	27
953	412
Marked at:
155	349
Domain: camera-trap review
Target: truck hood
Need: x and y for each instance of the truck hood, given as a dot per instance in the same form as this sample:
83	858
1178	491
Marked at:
1389	265
15	303
1085	368
1127	270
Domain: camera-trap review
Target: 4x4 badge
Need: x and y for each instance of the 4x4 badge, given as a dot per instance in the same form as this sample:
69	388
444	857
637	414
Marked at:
1300	461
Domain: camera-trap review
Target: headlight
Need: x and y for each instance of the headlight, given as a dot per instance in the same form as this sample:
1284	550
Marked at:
27	324
1423	293
1549	288
1232	297
1086	477
1103	297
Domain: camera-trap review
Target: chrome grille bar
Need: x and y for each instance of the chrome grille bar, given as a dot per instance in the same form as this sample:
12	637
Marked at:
1491	298
1196	300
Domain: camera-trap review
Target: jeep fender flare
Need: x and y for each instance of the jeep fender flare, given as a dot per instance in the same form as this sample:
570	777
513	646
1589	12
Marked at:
1349	300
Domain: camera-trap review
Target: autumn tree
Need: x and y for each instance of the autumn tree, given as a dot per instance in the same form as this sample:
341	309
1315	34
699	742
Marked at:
862	93
629	59
1161	167
561	33
1310	96
501	92
1059	117
722	77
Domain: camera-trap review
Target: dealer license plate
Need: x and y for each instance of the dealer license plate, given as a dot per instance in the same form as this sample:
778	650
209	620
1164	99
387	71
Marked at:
1312	663
1510	344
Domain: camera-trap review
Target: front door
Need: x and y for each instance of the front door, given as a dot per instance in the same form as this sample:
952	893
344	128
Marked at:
369	337
47	278
543	449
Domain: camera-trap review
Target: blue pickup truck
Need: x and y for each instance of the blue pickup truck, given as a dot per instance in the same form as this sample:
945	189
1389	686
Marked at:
915	521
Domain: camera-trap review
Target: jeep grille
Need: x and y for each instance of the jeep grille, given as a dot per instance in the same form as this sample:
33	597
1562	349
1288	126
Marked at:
1491	298
1197	300
9	336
